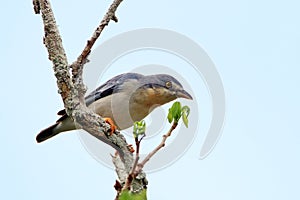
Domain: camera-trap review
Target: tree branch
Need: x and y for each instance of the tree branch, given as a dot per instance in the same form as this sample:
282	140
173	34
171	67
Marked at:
69	86
56	52
131	176
136	174
110	15
72	89
137	154
77	66
141	165
82	58
36	6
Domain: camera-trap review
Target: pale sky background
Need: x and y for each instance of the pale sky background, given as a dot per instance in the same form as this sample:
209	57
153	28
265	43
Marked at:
255	47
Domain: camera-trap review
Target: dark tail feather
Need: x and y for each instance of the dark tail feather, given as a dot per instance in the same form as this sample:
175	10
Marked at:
46	133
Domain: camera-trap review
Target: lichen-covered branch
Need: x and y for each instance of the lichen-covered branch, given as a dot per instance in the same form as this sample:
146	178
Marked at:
71	96
56	52
36	6
72	91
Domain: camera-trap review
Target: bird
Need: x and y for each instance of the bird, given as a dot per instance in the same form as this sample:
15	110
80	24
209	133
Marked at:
122	100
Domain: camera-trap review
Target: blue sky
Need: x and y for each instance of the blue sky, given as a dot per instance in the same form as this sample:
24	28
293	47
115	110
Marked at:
255	47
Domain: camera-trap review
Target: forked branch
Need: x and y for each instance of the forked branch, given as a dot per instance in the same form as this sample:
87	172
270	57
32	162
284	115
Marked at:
71	87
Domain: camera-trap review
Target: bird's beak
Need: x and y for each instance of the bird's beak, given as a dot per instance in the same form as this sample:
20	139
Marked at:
184	94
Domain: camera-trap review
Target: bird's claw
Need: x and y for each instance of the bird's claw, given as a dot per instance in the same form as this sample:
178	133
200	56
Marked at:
113	127
130	148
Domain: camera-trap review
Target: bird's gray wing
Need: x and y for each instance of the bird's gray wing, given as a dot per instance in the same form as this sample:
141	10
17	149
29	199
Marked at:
111	86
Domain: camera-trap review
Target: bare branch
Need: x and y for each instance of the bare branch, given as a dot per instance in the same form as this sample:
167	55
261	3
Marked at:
110	15
72	89
57	55
71	95
77	66
36	6
137	154
131	176
152	153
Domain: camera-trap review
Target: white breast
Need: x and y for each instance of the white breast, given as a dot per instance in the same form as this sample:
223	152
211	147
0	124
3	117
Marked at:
117	108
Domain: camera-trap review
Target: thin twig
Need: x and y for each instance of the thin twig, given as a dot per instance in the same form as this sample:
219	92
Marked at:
152	153
77	66
110	15
138	167
132	175
36	6
137	154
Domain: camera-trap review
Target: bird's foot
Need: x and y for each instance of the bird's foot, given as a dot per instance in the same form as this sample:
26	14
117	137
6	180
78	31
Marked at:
113	127
130	148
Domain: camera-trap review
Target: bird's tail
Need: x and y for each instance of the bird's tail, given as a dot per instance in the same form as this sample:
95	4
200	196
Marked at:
65	123
47	133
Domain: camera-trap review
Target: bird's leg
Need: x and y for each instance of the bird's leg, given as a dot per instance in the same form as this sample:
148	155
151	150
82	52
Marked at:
113	127
130	148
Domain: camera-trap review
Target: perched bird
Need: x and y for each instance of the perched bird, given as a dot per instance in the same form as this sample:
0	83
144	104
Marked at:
122	100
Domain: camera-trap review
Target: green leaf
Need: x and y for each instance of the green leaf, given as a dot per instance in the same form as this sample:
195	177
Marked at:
127	195
170	115
185	120
139	128
176	111
185	113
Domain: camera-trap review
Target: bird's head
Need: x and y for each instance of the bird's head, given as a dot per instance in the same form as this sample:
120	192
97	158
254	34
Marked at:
160	89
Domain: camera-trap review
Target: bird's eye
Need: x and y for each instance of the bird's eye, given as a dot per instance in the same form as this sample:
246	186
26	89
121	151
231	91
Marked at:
168	84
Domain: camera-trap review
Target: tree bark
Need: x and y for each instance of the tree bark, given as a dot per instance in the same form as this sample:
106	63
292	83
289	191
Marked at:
72	90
